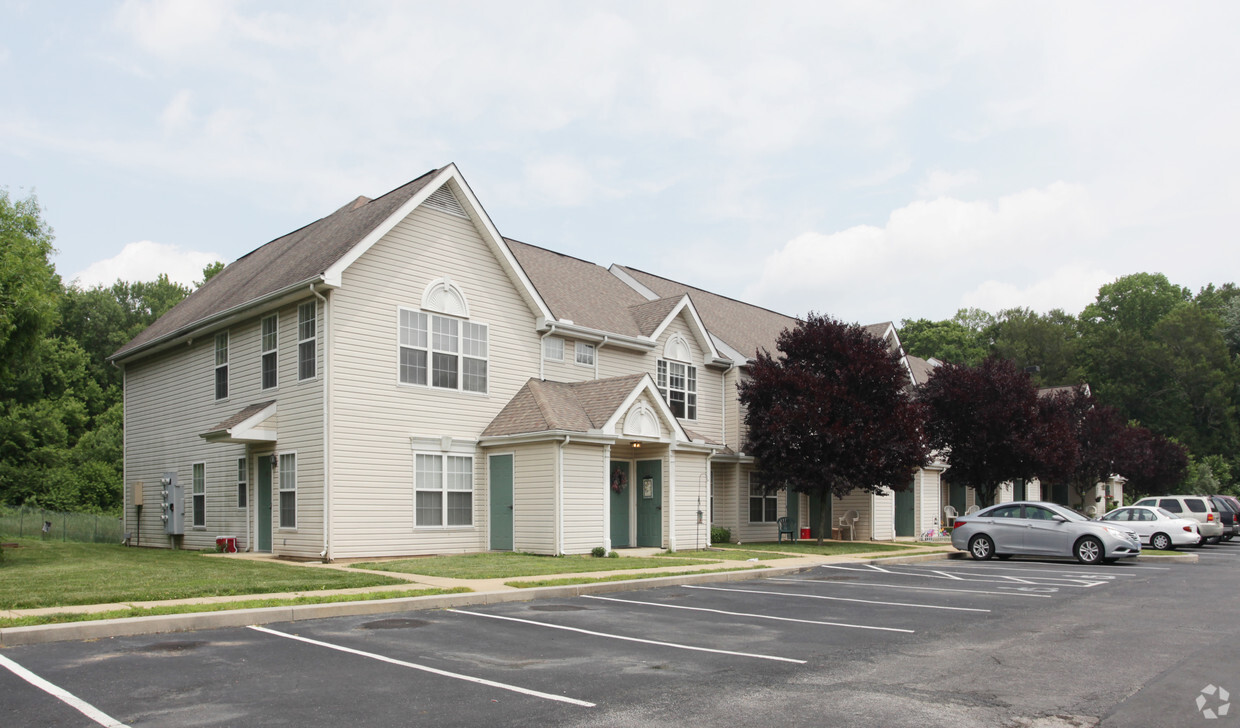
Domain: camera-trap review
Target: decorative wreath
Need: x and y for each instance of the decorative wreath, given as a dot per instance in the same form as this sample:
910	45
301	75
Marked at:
619	480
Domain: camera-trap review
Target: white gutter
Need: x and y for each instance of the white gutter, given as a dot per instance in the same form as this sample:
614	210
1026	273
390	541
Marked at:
587	334
559	497
327	479
598	350
542	353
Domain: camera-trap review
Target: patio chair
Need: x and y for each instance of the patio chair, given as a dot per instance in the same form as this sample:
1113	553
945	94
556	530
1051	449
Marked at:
786	526
972	509
848	520
949	516
1092	511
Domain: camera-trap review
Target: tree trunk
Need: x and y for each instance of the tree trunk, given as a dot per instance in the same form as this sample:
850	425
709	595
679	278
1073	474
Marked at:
824	522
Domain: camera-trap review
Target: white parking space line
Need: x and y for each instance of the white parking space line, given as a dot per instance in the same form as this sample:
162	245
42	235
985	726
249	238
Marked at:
749	615
629	639
65	696
1048	567
1057	572
836	599
424	668
997	578
915	588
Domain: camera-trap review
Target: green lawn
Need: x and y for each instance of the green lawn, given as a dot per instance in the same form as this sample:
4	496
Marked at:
55	573
730	554
828	548
572	581
61	617
503	565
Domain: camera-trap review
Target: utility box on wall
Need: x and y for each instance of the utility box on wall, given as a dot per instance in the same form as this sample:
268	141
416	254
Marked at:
173	504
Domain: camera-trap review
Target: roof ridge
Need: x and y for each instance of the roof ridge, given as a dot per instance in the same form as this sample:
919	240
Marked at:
553	252
703	290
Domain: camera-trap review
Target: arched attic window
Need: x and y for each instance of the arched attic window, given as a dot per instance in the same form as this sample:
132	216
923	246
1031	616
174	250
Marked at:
439	346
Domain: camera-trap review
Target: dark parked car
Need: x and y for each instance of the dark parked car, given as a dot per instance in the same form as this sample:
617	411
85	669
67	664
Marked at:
1228	514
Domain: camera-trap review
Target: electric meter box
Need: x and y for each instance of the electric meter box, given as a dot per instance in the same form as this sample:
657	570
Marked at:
173	504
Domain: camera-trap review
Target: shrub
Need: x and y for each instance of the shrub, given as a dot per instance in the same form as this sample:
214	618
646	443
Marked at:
719	534
613	555
598	552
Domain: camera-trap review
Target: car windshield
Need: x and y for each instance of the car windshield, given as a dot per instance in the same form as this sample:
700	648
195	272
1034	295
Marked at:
1070	514
1166	513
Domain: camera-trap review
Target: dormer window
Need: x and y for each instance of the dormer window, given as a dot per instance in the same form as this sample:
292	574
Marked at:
678	385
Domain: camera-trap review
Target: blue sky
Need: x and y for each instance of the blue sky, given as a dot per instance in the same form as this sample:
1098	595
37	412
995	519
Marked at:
874	161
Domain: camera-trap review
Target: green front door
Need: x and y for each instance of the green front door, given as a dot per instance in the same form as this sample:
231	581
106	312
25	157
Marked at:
263	491
1018	489
620	504
905	512
794	510
499	481
649	484
956	498
815	512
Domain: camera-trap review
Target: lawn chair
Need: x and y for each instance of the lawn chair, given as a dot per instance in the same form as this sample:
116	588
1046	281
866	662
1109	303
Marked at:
972	509
949	516
788	527
848	520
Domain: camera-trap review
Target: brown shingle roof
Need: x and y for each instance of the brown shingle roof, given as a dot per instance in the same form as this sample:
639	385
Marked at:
743	326
242	416
579	291
301	255
542	406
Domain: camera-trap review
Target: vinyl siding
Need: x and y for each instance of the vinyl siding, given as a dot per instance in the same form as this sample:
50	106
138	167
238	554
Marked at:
723	475
862	503
533	498
746	531
884	515
170	400
374	416
929	507
691	494
583	492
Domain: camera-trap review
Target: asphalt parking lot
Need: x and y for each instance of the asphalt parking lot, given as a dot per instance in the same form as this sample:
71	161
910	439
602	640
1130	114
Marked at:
941	643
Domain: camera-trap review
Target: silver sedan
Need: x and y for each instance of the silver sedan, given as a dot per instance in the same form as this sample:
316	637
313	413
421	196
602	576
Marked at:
1042	529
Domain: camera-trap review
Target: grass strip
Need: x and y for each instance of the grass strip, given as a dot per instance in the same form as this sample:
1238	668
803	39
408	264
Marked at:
41	574
502	565
61	617
573	580
828	548
727	555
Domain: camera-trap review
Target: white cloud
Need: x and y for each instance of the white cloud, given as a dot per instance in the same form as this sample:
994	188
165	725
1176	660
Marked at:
145	261
935	250
1070	288
939	182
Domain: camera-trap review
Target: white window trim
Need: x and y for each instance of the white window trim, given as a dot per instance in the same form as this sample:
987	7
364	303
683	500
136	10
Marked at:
193	496
263	352
748	505
215	358
578	348
243	482
280	490
431	350
314	339
559	341
663	382
443	455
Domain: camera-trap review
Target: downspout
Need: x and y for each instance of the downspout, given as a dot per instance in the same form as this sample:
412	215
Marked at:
542	353
326	553
559	497
723	405
598	352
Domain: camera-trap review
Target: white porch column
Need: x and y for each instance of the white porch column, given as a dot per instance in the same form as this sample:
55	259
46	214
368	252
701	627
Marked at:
671	497
607	497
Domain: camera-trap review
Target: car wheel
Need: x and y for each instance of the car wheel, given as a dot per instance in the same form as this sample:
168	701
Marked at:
1003	557
1227	537
1214	540
981	548
1161	541
1088	550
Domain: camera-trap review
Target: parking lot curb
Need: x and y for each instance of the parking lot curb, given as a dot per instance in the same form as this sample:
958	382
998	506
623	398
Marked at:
135	626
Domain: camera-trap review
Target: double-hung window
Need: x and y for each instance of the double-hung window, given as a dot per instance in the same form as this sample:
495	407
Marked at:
288	490
763	506
585	354
243	486
443	490
442	352
307	340
553	348
678	385
270	343
221	365
200	494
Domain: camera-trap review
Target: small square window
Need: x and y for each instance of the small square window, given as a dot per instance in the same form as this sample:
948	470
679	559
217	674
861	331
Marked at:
553	348
585	354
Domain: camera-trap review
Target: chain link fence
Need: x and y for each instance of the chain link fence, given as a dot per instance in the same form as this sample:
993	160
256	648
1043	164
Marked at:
31	522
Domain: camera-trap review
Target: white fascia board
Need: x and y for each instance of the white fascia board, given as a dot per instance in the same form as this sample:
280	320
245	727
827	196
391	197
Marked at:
632	282
546	436
699	328
647	385
732	355
334	275
223	319
247	430
588	334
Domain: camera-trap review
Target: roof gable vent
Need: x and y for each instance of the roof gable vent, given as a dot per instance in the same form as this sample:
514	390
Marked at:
443	200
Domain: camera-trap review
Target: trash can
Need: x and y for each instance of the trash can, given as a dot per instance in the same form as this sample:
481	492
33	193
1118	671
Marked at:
805	533
226	544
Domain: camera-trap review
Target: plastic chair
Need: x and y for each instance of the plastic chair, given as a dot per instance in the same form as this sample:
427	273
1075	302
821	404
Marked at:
949	516
1092	511
786	526
848	520
972	509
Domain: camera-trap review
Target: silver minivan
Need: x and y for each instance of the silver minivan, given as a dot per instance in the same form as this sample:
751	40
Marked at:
1199	508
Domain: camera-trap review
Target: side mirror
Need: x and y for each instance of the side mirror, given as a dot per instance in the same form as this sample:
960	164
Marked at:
1059	519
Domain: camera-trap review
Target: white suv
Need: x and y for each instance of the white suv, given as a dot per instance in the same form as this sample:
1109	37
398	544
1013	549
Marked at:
1199	508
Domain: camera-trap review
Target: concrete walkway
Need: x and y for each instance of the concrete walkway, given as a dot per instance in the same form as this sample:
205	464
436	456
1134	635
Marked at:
481	591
